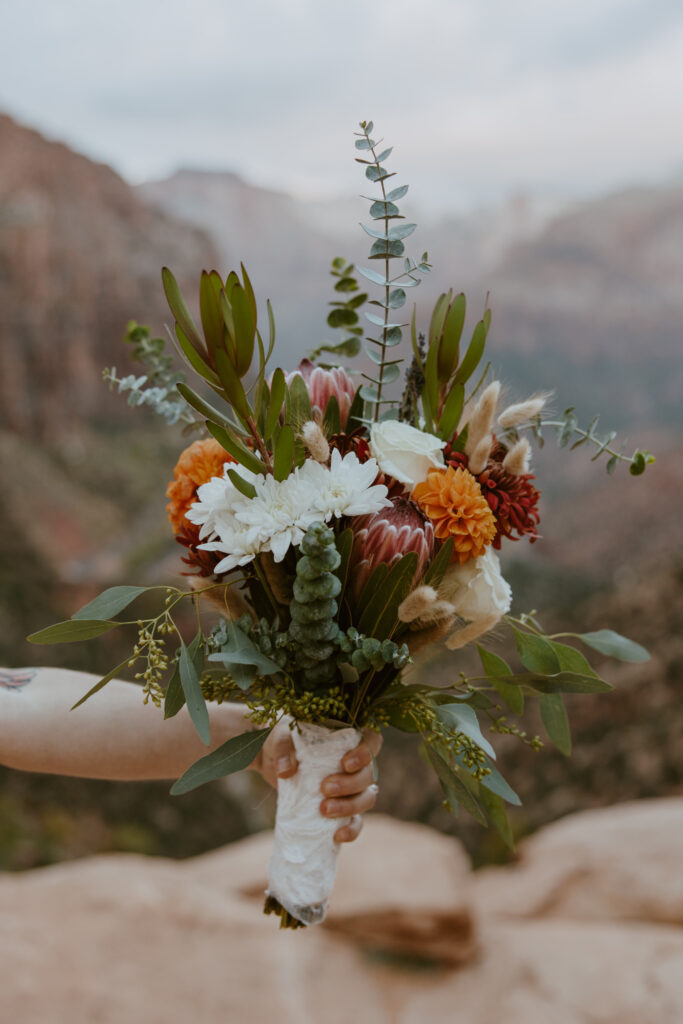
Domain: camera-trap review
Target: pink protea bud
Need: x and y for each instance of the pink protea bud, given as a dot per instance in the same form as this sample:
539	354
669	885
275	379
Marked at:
322	385
385	537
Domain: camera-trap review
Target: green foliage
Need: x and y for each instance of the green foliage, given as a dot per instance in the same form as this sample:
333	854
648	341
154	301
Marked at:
344	314
233	756
314	607
110	602
387	245
568	428
194	698
71	631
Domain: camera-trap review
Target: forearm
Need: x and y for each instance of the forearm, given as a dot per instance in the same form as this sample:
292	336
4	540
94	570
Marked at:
111	736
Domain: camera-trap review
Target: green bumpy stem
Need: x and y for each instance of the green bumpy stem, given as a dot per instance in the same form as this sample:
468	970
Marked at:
313	609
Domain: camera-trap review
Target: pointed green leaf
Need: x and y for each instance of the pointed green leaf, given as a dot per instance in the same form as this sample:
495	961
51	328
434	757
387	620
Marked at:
109	603
194	698
369	592
497	669
449	349
437	570
497	815
536	653
232	385
240	650
203	407
462	718
373	275
572	660
233	756
195	360
234	447
102	683
245	329
210	286
174	698
452	411
554	715
495	782
614	645
278	389
332	417
242	485
472	357
71	631
397	193
380	619
344	544
398	231
180	311
284	453
453	785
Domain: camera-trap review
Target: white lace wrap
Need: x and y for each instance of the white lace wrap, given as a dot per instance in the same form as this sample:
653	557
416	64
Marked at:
303	863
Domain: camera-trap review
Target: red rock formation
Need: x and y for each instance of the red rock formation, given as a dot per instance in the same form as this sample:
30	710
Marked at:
79	256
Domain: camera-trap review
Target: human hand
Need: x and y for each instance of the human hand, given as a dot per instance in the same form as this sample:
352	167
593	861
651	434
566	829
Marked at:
349	793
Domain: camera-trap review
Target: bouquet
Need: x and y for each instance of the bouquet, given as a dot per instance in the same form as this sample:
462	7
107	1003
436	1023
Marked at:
341	525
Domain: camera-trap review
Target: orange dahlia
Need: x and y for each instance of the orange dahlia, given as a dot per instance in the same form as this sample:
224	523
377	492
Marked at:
196	465
453	500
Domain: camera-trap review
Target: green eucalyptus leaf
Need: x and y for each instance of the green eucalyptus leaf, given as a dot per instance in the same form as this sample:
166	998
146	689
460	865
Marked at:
572	660
367	393
233	756
554	716
372	275
71	631
194	698
397	193
397	298
614	645
497	670
381	249
536	653
110	602
463	719
380	209
453	786
495	782
102	683
241	650
174	698
398	231
375	232
342	317
497	815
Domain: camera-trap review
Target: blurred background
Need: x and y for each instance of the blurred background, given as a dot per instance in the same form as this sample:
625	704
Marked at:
545	169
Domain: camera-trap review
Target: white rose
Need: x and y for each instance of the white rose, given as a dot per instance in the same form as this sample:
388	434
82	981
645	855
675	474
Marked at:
476	589
405	452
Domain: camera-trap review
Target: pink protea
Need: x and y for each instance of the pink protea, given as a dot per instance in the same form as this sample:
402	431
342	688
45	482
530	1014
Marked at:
323	384
385	537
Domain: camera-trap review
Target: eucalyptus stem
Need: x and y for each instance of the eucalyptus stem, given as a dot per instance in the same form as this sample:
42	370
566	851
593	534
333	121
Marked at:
383	344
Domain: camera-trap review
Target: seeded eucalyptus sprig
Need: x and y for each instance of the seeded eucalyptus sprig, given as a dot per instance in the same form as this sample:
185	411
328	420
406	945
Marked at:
567	428
387	246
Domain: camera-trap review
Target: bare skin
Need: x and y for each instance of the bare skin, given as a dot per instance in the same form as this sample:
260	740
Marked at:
115	737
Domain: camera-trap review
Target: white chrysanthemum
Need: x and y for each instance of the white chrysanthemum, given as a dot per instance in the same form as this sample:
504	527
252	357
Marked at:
277	517
347	488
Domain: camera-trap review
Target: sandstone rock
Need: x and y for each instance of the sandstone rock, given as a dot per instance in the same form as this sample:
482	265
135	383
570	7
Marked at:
148	941
625	862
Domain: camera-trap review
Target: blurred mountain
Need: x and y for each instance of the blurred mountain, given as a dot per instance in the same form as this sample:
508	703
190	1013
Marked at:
79	256
588	301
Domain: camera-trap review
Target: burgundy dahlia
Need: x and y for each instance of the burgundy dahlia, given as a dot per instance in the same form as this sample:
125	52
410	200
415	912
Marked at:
512	499
323	384
386	536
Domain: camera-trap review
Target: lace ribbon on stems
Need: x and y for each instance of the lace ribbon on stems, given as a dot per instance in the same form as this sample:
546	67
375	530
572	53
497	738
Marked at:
303	863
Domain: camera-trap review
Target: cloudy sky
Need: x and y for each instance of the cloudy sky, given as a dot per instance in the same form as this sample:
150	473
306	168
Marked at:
481	99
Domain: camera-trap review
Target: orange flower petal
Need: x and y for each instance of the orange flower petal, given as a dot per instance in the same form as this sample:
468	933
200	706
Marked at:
454	502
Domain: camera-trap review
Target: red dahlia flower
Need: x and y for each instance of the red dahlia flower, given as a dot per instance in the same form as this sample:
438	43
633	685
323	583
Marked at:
512	499
386	536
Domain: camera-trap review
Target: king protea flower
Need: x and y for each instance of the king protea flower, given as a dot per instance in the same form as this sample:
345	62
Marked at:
388	535
323	384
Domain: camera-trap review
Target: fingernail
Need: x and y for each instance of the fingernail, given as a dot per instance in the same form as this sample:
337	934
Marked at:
330	808
284	764
352	764
330	788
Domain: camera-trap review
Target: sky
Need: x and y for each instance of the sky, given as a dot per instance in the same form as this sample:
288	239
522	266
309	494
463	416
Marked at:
482	99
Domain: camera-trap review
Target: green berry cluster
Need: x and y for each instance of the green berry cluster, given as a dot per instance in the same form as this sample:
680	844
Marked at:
313	608
267	704
366	652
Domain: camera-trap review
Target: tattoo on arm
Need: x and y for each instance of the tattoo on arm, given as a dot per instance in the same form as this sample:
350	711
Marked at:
16	678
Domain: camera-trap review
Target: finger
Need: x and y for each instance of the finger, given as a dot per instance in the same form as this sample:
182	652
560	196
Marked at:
348	784
346	806
357	758
373	740
284	756
347	833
